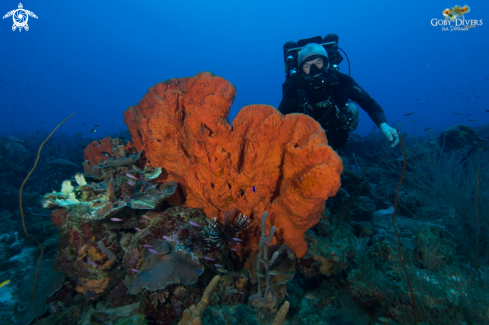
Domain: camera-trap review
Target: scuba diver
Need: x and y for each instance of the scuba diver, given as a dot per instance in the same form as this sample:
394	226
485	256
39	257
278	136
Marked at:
315	87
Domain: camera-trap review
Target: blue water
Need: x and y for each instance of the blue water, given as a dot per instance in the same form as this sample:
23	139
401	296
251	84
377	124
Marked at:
96	58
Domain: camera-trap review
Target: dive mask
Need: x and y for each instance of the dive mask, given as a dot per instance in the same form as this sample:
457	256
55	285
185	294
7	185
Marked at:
315	71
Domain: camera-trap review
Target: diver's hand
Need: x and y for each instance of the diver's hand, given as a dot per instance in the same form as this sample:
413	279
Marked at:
390	133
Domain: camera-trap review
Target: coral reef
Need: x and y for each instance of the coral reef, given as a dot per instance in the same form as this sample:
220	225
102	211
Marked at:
86	216
192	223
267	161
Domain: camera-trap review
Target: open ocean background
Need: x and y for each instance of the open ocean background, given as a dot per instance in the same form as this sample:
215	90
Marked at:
97	58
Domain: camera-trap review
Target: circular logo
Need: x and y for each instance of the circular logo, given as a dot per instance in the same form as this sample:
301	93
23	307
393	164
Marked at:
20	18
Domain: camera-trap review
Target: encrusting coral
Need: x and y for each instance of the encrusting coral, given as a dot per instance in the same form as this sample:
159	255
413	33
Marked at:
266	161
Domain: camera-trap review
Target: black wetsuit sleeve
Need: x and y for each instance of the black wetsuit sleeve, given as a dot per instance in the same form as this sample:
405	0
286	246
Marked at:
350	89
290	102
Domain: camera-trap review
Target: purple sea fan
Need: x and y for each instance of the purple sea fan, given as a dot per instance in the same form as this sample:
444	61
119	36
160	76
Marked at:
229	231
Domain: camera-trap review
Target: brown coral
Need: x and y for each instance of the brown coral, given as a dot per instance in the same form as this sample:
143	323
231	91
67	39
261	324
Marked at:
267	162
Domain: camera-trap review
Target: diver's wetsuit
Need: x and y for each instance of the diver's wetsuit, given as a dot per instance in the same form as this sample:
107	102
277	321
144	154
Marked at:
339	93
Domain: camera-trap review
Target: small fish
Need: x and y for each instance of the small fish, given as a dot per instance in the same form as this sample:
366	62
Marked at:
146	217
194	224
427	129
244	273
138	229
153	251
198	255
115	219
264	261
310	296
275	272
218	265
222	270
78	135
95	125
131	176
145	245
463	133
457	114
130	183
209	258
134	270
234	249
4	283
333	297
198	271
472	120
167	238
253	188
268	242
92	263
237	239
409	114
261	275
106	154
77	229
487	110
93	131
290	273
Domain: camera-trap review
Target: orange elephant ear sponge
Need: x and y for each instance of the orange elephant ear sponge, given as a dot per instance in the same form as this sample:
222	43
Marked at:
265	162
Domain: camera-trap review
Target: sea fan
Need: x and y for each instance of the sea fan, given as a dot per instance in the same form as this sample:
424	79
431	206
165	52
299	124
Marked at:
220	234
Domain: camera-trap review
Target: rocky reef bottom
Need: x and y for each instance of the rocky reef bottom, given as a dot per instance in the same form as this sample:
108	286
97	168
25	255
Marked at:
117	253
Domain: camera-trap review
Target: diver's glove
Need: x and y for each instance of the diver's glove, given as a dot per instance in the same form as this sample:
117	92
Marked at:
390	133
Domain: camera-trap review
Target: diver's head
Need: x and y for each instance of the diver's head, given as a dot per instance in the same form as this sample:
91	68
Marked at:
313	60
